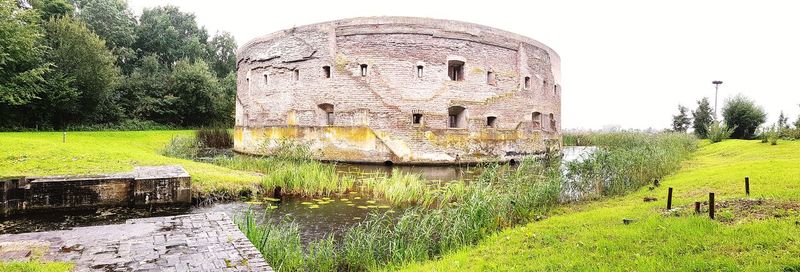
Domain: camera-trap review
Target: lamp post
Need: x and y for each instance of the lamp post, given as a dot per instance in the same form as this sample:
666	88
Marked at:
716	92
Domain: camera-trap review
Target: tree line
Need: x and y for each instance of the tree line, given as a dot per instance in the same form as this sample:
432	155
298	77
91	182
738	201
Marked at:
70	63
742	118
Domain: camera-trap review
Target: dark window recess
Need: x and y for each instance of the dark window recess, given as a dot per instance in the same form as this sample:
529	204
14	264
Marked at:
419	70
266	79
527	83
329	114
363	70
416	119
326	70
536	120
456	117
490	78
455	70
296	74
490	121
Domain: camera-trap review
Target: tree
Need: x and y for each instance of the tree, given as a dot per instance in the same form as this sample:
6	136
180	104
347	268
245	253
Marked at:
222	54
84	62
783	122
797	122
52	8
171	35
21	55
114	23
680	122
703	118
144	94
199	98
743	115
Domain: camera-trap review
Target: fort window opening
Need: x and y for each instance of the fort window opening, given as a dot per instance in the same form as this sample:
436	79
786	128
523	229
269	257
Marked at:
416	118
266	79
490	78
455	70
327	109
296	74
490	121
456	117
536	120
555	89
326	70
419	70
527	84
552	122
363	70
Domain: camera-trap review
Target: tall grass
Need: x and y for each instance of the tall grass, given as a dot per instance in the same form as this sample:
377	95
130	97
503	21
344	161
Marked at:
219	138
463	215
446	217
627	161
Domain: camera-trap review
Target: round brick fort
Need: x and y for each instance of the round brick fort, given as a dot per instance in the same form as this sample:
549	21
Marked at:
399	90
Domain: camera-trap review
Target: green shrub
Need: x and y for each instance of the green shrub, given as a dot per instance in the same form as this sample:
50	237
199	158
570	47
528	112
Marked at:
717	133
182	147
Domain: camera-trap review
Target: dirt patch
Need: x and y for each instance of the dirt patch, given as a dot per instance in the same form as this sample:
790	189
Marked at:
737	210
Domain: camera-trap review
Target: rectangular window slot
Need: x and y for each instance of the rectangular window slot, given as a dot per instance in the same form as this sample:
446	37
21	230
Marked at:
416	118
326	71
490	121
419	71
527	83
363	70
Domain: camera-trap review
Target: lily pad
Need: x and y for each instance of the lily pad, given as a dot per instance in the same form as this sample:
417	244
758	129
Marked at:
350	204
272	207
371	201
372	206
357	218
306	203
255	203
313	207
344	199
383	207
358	197
272	199
362	207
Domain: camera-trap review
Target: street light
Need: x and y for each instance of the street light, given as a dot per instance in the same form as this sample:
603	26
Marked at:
716	87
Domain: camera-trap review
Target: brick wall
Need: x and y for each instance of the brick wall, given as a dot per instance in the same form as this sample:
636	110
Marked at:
282	81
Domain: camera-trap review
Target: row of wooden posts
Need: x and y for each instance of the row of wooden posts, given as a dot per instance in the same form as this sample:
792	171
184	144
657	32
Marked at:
710	199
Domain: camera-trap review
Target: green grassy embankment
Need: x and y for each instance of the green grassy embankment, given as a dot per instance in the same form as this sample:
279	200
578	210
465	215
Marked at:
44	153
591	236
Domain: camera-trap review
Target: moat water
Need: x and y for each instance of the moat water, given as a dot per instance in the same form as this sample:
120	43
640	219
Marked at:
334	215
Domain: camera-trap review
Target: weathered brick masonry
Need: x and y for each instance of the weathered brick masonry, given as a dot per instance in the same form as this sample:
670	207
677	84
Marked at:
399	90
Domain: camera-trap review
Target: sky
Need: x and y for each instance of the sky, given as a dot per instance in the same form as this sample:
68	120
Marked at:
625	64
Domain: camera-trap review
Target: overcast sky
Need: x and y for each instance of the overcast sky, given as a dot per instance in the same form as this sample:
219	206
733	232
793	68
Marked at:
627	63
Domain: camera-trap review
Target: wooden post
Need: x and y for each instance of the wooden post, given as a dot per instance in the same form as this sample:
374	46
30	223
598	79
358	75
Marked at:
711	205
747	186
697	207
669	199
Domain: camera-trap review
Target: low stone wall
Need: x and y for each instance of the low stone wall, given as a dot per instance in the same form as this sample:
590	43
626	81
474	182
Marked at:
143	186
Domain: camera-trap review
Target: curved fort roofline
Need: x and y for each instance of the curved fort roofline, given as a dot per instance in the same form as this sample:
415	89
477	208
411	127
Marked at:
400	90
475	30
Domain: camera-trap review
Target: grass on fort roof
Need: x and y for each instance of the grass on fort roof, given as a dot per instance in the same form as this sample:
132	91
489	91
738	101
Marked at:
44	153
592	237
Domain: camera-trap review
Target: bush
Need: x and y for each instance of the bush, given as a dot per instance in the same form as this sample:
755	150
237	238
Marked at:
218	138
744	116
717	133
182	147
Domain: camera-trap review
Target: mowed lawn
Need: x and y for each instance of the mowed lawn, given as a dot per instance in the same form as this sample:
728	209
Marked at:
592	237
44	153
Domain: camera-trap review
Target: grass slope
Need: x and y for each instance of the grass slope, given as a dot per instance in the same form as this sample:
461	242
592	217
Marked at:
591	236
43	153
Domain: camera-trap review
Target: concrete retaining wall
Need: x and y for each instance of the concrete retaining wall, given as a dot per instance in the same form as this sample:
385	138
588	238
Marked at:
143	186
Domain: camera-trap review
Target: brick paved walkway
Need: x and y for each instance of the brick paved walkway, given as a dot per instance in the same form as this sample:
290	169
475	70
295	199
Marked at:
192	242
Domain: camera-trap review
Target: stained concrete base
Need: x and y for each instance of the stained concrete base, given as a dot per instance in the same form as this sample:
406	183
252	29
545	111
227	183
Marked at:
192	242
